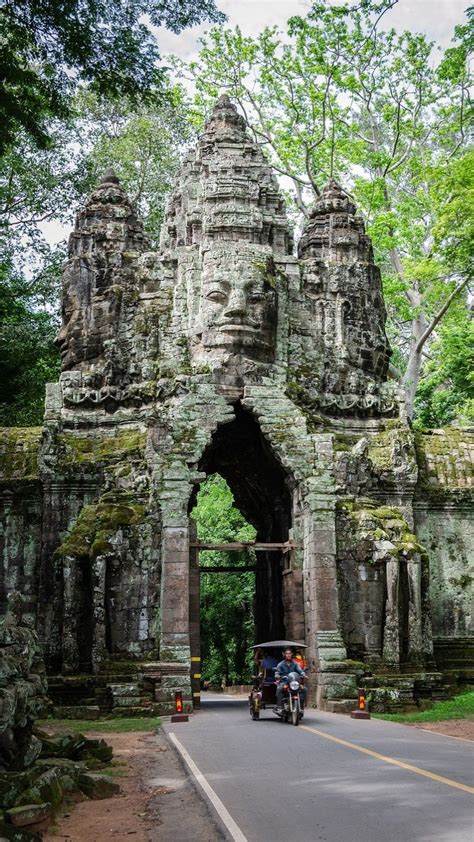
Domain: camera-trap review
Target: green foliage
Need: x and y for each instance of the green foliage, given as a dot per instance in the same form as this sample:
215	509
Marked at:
29	357
51	47
460	707
36	186
446	390
103	726
227	599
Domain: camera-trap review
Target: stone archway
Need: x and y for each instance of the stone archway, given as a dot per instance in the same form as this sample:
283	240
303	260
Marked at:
261	488
295	481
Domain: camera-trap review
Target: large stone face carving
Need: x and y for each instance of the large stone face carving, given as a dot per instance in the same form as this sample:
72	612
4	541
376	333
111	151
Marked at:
344	352
237	311
103	254
226	238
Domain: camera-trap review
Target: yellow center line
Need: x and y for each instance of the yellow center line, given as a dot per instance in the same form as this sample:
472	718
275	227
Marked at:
423	772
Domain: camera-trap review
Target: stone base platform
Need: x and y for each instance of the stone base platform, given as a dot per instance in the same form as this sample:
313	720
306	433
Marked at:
122	689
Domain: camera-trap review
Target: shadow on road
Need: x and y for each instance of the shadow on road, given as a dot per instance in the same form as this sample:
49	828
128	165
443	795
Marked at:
218	701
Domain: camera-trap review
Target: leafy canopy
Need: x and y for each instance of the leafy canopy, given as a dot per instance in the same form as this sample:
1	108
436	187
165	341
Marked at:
48	47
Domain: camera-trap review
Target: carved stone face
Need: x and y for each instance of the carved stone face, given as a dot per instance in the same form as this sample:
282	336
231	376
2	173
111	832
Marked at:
89	312
237	305
70	339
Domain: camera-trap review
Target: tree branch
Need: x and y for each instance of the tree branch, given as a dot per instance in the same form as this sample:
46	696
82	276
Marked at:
439	315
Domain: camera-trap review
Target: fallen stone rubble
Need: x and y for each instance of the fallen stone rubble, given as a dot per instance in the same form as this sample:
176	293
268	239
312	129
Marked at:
38	772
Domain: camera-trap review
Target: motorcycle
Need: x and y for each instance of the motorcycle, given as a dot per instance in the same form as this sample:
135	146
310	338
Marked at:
263	693
292	710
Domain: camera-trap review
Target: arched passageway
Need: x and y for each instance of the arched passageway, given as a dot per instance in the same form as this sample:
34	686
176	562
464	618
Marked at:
241	455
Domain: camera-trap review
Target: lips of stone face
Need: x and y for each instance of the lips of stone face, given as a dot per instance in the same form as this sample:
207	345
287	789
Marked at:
237	307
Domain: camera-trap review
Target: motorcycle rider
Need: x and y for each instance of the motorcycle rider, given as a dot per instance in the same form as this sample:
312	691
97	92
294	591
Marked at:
287	665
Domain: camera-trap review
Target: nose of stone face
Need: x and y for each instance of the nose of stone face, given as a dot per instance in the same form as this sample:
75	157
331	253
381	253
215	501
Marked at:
236	307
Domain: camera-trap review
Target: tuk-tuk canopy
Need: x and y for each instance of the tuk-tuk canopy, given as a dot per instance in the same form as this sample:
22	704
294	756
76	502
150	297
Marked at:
277	644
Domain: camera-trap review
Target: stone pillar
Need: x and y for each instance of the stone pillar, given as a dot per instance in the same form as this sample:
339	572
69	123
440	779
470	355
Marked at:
194	617
415	631
391	637
371	580
99	648
175	642
326	650
69	631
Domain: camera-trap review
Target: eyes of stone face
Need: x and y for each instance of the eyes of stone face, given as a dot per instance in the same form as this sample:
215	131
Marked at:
217	295
222	293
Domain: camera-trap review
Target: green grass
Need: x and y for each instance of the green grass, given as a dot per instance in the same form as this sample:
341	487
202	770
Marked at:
460	707
104	726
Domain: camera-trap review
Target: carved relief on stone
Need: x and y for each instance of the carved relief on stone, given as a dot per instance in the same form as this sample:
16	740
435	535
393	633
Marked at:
234	310
103	251
345	314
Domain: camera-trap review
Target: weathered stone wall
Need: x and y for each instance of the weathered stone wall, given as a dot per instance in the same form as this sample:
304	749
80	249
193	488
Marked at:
382	575
21	510
444	523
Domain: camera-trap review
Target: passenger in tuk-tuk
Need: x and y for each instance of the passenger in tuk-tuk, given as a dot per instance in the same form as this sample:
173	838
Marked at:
269	665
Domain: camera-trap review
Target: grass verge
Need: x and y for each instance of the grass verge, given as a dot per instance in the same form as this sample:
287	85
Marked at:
459	707
104	726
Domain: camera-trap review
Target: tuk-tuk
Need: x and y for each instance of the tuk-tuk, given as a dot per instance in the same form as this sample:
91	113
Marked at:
263	693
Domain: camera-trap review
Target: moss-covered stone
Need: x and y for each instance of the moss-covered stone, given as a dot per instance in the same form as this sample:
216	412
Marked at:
19	450
96	525
445	459
95	449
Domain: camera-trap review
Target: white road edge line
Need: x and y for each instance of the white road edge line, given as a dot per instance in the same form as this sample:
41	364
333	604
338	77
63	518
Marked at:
450	736
216	802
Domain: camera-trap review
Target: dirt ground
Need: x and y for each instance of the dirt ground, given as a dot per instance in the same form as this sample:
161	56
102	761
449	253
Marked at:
155	789
463	728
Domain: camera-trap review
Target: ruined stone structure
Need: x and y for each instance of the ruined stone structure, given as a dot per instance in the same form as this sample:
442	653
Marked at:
223	352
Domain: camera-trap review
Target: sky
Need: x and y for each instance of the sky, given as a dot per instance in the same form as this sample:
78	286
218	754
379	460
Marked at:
435	18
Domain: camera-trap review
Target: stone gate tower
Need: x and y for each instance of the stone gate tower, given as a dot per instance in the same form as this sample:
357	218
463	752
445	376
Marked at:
223	352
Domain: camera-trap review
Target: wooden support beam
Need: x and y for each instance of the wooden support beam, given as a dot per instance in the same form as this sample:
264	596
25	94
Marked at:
259	546
230	568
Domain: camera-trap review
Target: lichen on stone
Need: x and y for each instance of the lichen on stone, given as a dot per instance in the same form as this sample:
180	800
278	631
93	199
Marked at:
96	525
19	450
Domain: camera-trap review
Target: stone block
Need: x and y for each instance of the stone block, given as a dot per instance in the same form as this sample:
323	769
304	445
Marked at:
97	786
30	815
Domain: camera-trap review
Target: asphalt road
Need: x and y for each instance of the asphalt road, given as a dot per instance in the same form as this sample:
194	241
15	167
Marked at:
330	778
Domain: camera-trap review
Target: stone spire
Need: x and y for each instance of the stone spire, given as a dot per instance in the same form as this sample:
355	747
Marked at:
333	231
333	199
226	190
106	241
346	346
225	124
109	177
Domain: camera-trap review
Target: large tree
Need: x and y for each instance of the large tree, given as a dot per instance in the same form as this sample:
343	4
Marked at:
48	47
340	96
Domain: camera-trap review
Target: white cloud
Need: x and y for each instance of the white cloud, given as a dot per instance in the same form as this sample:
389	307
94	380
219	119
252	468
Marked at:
435	18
